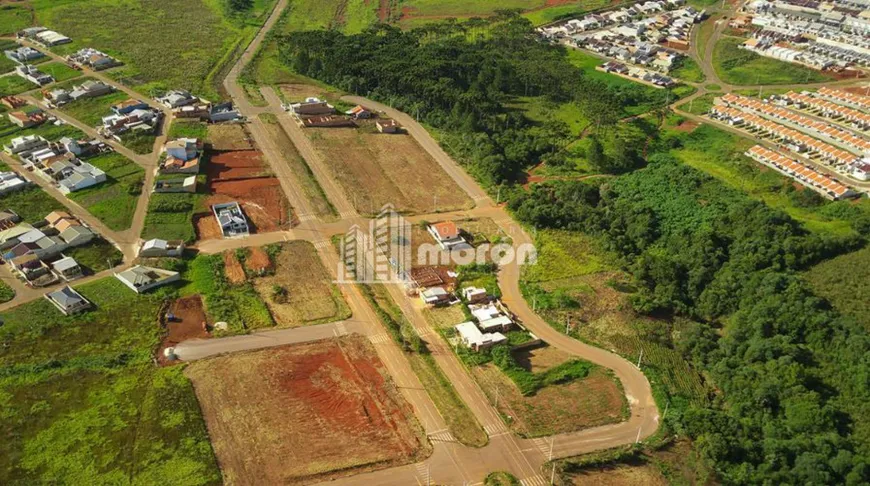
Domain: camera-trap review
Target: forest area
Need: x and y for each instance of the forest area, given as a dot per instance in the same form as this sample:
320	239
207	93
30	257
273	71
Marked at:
791	373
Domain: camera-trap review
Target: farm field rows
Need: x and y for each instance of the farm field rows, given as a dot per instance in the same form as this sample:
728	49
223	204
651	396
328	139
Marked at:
260	408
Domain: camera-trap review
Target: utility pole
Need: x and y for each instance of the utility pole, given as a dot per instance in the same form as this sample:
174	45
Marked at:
496	396
637	439
567	325
498	195
435	198
639	358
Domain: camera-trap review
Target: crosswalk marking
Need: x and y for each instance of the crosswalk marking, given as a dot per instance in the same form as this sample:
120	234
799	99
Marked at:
421	332
341	329
542	445
347	214
306	217
494	428
321	244
379	338
536	480
443	436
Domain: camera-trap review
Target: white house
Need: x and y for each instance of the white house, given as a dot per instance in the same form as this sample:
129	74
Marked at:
82	176
142	279
231	219
474	295
161	248
11	182
68	301
435	296
471	337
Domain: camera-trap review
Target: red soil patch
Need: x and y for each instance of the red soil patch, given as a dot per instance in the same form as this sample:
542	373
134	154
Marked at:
262	201
233	268
190	325
687	126
235	164
304	413
858	90
258	261
206	227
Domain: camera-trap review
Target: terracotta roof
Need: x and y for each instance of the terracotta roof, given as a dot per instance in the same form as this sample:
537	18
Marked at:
446	230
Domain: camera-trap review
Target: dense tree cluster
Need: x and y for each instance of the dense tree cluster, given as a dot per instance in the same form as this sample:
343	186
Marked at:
238	6
793	372
460	79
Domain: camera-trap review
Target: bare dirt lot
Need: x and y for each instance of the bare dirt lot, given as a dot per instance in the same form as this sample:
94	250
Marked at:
305	412
233	268
620	475
375	169
588	402
540	359
189	324
257	261
224	136
236	164
262	201
300	292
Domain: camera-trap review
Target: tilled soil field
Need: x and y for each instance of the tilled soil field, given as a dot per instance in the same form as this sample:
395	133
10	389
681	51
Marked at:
305	412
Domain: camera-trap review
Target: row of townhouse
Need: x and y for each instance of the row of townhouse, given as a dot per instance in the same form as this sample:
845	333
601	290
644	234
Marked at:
828	109
822	129
795	140
820	16
35	252
824	185
654	78
852	100
614	17
58	162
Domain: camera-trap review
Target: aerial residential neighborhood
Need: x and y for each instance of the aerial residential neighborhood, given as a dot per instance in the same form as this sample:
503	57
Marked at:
429	242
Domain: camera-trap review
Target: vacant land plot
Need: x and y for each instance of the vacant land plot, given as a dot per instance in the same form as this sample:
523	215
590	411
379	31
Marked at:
235	164
846	289
376	169
82	403
113	201
621	475
229	137
739	66
14	18
59	71
171	216
91	111
418	12
312	190
305	412
144	35
13	84
565	407
189	323
300	292
96	256
32	204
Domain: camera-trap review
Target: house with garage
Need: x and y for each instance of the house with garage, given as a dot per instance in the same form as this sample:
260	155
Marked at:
68	301
435	296
311	106
129	106
182	156
359	112
90	89
177	98
28	119
11	182
142	279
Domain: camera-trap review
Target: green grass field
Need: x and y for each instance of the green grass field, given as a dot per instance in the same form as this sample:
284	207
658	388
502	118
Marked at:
563	255
162	45
188	129
59	71
739	66
32	204
720	154
96	256
689	70
170	216
113	201
14	18
82	402
840	281
91	111
141	143
14	84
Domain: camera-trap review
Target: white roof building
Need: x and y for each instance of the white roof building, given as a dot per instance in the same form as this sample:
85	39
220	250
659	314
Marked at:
471	336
